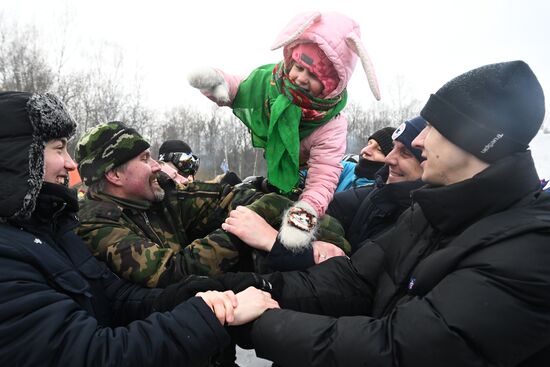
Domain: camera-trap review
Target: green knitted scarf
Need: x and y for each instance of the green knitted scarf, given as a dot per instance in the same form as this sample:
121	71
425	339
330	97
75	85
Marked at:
279	115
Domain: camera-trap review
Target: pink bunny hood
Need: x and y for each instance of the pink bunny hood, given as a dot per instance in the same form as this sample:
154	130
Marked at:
337	36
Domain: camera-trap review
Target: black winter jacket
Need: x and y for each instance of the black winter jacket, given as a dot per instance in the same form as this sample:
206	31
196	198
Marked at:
59	306
415	297
366	212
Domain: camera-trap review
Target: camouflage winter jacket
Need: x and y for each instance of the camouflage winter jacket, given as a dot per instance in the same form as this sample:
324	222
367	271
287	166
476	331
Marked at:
158	244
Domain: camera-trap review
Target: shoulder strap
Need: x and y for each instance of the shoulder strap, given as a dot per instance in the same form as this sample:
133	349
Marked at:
492	229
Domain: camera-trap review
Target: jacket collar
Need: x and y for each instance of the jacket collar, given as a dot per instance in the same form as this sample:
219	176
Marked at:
452	208
393	195
123	203
55	211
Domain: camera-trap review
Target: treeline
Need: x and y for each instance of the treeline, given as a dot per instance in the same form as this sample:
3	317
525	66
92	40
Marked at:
98	91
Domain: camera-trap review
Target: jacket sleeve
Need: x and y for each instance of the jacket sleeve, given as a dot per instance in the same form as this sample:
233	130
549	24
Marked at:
41	325
345	204
232	83
282	259
337	286
486	312
326	147
136	258
130	254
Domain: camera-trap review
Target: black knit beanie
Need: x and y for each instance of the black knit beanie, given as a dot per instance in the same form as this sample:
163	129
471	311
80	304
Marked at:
491	112
174	146
383	138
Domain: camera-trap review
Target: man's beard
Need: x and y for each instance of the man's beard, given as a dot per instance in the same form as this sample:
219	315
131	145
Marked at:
367	169
158	194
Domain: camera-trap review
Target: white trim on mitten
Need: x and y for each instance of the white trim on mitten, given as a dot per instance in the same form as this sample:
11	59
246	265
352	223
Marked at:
291	236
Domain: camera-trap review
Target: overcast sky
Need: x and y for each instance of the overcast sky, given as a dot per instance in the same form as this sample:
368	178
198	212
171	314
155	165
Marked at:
424	42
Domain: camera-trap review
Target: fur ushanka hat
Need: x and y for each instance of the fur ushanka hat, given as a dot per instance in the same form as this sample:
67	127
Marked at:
28	122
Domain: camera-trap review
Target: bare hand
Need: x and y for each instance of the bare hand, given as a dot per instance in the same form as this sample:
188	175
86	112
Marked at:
324	250
251	228
252	303
221	303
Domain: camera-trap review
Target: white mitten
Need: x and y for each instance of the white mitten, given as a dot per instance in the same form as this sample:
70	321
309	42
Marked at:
210	82
298	227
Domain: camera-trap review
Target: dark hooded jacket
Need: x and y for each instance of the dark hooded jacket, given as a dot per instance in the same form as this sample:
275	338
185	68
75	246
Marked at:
366	212
462	280
59	306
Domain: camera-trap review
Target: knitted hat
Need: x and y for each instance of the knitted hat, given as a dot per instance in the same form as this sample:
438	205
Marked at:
180	155
407	132
29	121
173	146
310	56
384	139
105	147
491	112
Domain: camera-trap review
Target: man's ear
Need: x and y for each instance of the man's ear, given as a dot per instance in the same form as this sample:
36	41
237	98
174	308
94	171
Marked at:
113	176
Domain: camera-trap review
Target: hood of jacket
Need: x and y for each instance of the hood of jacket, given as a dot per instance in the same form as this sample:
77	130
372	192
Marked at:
29	121
337	35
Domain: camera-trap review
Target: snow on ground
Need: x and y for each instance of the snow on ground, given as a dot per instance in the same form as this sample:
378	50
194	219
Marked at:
247	358
540	148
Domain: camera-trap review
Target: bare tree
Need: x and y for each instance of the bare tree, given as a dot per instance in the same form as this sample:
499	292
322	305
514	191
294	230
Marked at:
23	65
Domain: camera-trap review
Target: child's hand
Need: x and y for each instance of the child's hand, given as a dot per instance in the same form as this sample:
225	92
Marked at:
210	82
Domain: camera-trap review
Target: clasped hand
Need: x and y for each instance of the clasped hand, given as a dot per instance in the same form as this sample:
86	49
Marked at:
238	309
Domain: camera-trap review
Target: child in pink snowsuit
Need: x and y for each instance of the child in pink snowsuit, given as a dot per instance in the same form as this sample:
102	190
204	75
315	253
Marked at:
292	110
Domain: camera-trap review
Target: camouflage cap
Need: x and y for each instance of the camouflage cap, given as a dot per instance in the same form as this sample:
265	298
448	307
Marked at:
105	147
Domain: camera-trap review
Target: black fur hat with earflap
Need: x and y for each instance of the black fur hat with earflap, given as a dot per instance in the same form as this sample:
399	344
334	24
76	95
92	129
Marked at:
29	121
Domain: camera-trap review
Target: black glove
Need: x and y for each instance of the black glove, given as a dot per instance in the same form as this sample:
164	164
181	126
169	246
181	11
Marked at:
254	182
238	282
230	178
181	291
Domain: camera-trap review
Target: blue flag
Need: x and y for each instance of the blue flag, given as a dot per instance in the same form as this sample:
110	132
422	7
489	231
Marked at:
224	166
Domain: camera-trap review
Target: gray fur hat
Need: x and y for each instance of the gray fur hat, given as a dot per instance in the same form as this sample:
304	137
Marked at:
29	121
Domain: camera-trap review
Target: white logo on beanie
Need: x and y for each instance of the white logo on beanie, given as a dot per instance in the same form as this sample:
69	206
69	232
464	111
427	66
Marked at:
492	143
399	131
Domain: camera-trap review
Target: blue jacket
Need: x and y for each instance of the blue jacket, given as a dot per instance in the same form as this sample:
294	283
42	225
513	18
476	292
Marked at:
349	180
59	306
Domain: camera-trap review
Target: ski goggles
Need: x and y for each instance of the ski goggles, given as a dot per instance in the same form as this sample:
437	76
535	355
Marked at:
187	164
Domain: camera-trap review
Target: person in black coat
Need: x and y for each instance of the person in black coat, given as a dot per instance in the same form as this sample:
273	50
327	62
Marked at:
463	279
369	211
59	306
364	212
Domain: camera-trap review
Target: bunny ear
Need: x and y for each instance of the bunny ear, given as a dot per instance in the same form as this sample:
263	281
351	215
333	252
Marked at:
314	17
355	44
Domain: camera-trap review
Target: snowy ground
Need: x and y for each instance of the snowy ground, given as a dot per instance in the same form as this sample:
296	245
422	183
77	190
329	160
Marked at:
540	147
247	358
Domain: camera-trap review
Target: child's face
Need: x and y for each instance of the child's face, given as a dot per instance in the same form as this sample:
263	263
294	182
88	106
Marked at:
300	76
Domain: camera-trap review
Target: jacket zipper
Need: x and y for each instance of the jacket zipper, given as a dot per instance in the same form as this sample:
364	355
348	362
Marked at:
146	218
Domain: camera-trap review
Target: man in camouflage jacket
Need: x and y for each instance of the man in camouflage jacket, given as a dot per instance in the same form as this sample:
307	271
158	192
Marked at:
153	237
